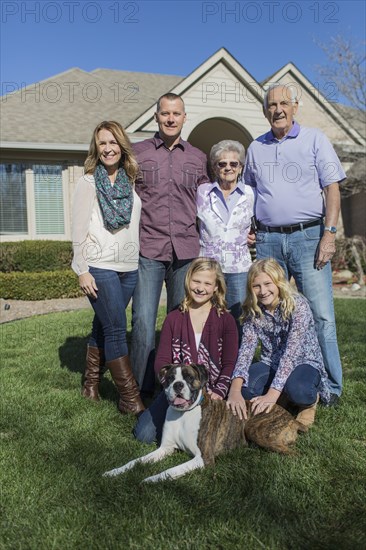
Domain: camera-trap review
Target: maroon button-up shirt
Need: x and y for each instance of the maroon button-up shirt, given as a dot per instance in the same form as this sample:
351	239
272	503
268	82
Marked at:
167	186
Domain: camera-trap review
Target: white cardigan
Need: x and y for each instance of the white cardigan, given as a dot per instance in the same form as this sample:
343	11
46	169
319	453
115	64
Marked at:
93	244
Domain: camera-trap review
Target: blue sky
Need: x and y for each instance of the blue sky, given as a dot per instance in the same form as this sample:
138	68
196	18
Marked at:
40	39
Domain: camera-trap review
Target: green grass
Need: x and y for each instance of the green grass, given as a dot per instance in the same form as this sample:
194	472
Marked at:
55	446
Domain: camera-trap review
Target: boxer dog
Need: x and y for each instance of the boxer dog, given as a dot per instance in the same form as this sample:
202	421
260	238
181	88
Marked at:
205	428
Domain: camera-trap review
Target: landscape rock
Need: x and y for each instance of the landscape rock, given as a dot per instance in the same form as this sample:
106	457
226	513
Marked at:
342	276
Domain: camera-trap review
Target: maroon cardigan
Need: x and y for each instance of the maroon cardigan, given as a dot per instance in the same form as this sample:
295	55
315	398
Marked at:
218	348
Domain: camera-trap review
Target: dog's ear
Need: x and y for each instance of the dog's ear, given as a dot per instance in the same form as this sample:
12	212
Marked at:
202	373
163	374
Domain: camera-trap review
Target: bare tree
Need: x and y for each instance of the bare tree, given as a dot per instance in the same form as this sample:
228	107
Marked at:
346	67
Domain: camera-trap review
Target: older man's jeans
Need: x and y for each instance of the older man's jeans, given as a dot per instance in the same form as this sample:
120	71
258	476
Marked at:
109	325
296	253
145	303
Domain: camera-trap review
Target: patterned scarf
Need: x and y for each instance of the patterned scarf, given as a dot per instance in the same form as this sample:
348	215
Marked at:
116	200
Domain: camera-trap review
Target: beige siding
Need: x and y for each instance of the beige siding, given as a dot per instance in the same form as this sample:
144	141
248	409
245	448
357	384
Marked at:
220	94
312	113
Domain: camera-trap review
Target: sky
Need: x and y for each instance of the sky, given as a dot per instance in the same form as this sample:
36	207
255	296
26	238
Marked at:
40	39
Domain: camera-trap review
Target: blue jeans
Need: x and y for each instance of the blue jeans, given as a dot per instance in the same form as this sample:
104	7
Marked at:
296	253
145	303
150	424
236	291
301	388
109	325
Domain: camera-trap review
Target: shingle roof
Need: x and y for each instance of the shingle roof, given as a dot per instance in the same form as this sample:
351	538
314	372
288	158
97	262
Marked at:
67	107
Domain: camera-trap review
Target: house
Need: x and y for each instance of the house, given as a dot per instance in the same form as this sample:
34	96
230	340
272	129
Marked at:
46	129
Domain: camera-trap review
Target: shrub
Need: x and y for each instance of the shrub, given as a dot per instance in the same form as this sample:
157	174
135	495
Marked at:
36	256
39	286
351	254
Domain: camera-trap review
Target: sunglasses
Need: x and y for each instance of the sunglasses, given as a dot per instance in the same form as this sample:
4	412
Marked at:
232	163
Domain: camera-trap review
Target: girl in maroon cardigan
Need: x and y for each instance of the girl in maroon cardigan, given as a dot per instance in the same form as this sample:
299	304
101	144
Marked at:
201	331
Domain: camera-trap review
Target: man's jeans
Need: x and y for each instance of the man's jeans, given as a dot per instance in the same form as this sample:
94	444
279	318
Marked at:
109	325
296	253
145	303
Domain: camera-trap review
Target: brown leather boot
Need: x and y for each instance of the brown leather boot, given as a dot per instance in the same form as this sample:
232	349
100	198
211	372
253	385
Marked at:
306	415
129	395
94	363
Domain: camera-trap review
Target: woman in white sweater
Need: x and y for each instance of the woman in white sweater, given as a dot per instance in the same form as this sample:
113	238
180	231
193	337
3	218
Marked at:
106	217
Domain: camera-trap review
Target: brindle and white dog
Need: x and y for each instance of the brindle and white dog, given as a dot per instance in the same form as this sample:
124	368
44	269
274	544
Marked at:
205	428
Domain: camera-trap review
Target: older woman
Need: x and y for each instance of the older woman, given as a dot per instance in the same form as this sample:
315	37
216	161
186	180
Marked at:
106	217
224	210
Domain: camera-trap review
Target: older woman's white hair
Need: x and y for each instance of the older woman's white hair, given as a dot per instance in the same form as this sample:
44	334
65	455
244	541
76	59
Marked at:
225	146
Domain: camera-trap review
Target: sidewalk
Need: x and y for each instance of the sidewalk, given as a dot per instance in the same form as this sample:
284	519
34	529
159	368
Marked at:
20	309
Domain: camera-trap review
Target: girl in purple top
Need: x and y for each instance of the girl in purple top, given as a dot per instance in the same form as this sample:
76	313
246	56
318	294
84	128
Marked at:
291	364
201	331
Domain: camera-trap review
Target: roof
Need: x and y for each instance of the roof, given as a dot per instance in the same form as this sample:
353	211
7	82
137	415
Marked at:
355	117
66	108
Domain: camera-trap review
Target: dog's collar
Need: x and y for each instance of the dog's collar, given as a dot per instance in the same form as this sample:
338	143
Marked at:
198	401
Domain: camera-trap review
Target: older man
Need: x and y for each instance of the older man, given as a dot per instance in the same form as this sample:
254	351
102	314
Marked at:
171	170
293	169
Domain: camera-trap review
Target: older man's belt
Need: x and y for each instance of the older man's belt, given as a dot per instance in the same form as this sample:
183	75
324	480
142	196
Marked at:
289	228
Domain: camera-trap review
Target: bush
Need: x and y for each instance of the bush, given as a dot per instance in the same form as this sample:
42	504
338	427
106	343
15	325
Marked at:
39	286
36	256
351	254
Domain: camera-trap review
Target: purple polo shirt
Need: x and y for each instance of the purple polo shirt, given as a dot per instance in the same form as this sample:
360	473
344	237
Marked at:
167	186
290	174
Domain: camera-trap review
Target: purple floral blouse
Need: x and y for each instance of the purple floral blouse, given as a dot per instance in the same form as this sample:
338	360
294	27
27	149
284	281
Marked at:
285	345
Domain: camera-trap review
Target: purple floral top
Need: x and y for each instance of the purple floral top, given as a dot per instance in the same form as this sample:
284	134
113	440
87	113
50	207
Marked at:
223	230
285	345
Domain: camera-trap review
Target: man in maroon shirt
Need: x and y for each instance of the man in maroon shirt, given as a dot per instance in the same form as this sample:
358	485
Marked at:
170	171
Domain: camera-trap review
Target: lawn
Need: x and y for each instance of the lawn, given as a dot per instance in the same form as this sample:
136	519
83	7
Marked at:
55	446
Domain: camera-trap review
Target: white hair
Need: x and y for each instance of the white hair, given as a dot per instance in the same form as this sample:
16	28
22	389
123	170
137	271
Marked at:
225	146
291	89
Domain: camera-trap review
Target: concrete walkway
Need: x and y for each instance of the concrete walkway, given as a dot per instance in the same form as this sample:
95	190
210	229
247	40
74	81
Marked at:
11	310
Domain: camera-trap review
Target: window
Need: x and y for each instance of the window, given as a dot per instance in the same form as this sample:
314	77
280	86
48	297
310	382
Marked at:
48	199
13	200
32	200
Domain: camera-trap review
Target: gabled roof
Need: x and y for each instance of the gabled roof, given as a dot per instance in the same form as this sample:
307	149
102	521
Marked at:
66	108
63	110
337	114
221	56
356	117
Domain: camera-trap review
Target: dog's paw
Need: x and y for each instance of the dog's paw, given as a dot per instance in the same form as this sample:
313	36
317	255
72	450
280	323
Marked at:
154	479
112	473
108	474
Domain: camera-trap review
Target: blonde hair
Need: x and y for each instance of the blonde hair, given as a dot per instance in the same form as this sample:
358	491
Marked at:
206	264
128	160
287	293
